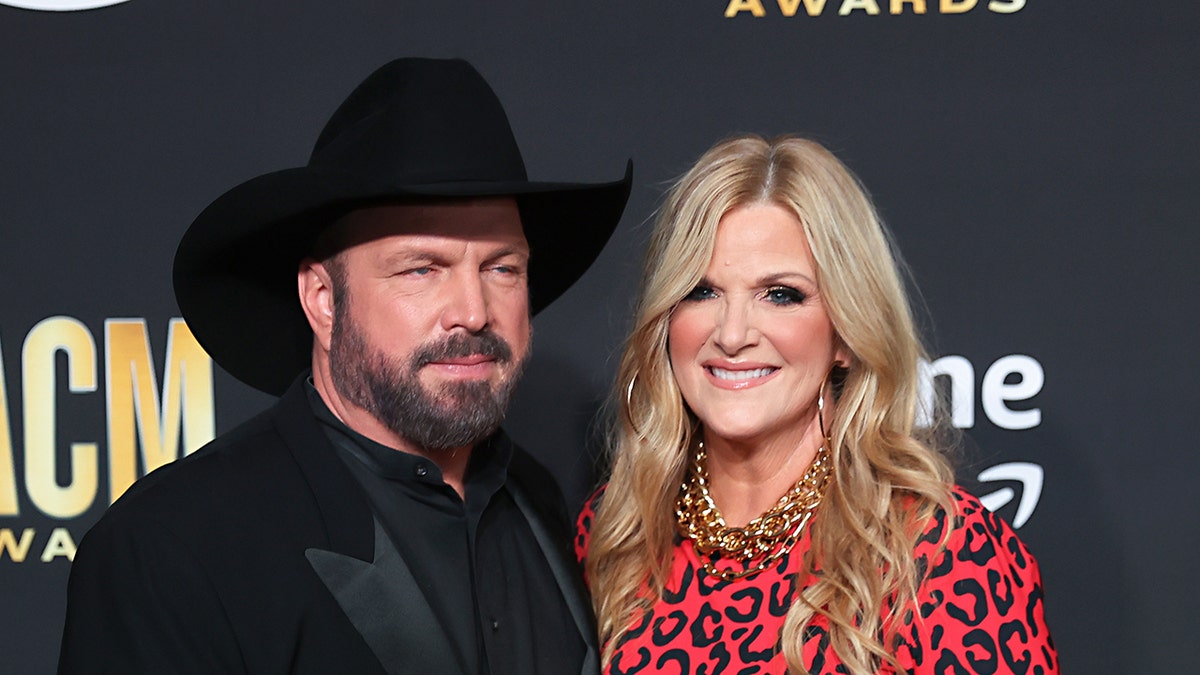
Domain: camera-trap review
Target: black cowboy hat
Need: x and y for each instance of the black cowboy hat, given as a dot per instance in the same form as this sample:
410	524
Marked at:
415	128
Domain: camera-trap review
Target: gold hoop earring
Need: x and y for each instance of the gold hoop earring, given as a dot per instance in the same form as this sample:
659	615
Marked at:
629	404
821	405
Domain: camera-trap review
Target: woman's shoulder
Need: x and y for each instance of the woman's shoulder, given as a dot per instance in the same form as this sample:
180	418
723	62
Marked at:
978	538
971	541
583	523
982	589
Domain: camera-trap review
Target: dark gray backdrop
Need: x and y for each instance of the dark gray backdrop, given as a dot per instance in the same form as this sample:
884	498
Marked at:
1037	168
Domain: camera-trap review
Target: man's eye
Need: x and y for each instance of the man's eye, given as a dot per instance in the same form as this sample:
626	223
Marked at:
700	293
784	295
418	271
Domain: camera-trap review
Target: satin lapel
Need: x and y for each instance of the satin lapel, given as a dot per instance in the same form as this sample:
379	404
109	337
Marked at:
386	606
358	561
564	575
347	515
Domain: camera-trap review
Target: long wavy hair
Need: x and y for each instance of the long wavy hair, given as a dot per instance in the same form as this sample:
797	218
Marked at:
888	479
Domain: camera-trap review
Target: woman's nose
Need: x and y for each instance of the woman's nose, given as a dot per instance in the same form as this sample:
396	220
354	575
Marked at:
734	330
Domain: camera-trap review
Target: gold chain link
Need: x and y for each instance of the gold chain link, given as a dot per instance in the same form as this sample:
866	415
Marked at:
772	534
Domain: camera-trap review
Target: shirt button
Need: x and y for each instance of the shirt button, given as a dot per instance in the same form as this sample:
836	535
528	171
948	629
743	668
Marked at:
495	625
421	470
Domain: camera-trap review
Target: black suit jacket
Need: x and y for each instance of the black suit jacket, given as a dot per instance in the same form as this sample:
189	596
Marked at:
260	554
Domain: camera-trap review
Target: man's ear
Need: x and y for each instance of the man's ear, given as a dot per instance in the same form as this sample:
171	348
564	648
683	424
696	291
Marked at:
315	287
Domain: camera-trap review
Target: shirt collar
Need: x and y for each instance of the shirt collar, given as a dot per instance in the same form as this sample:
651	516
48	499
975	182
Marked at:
486	471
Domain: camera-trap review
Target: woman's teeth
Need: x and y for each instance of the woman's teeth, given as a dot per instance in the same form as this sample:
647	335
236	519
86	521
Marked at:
735	375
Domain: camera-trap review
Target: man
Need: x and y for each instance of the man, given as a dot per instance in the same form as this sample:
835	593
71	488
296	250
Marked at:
374	519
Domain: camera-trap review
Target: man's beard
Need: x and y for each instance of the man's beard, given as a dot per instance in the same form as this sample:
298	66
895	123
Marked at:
456	414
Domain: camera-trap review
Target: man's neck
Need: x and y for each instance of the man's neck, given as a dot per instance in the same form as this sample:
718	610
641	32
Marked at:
452	461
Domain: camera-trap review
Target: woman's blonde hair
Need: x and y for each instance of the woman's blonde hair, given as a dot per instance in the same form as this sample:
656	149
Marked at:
886	483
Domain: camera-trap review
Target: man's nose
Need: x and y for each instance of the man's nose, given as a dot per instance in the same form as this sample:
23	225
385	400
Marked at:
466	305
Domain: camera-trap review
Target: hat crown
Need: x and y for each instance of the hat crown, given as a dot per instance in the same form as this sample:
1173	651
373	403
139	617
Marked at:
414	128
420	121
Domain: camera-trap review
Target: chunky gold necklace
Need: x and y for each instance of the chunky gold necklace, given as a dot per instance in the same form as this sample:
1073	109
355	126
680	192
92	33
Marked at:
768	536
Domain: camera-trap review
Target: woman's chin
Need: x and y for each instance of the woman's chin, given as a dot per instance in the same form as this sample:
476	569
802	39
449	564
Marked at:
740	433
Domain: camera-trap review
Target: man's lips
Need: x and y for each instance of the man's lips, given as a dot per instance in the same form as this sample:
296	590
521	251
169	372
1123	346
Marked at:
469	360
739	376
474	365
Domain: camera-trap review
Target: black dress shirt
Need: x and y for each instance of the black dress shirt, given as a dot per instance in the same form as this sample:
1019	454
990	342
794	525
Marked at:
475	559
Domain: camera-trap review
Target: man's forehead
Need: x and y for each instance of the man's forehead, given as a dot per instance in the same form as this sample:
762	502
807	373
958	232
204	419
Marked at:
495	219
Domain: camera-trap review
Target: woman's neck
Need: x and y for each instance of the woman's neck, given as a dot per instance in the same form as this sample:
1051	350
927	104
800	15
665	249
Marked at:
746	479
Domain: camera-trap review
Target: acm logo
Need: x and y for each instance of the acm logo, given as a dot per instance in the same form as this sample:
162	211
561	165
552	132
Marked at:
146	425
60	5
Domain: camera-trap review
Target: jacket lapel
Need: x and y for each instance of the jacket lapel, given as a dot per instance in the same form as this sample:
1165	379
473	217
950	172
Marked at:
386	606
565	574
359	564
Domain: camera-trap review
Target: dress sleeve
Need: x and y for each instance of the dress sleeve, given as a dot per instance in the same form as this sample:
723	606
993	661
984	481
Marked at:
980	607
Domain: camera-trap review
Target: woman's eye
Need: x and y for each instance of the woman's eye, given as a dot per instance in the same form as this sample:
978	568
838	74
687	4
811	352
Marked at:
700	293
784	295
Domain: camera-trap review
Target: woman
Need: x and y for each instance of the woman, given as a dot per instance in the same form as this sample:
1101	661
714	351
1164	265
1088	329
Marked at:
771	507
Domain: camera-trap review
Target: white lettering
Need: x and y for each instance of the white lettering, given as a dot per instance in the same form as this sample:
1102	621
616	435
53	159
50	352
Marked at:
997	391
60	545
962	390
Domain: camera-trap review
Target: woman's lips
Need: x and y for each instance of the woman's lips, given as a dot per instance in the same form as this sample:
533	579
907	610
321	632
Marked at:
739	378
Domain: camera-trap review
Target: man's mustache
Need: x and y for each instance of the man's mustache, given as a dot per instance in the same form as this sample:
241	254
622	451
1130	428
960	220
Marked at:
485	343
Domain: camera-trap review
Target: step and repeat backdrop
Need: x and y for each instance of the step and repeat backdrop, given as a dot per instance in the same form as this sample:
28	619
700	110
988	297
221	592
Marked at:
1037	161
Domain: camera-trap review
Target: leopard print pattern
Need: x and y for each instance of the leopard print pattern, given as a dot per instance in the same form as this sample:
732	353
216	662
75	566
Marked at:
980	610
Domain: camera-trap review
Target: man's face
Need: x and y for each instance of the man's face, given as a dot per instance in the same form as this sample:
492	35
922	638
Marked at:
431	325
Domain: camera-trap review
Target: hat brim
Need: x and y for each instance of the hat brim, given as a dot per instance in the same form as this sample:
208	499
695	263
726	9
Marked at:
235	268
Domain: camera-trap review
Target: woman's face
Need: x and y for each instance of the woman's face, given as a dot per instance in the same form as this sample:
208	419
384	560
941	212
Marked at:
751	344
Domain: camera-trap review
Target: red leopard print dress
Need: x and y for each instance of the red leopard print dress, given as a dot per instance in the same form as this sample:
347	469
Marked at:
981	603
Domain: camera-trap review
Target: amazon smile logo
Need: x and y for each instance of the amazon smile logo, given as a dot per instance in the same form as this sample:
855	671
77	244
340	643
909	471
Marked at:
60	5
1029	476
